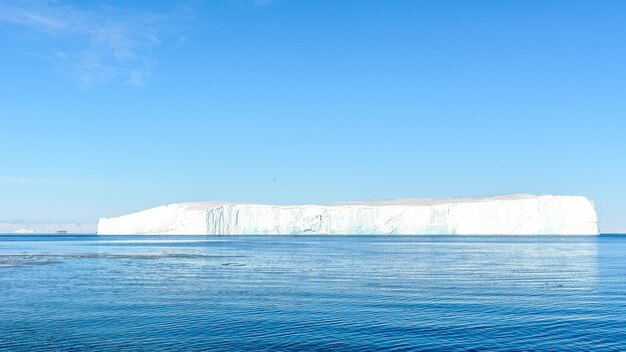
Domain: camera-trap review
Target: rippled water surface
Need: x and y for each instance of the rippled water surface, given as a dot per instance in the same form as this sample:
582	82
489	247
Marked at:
312	293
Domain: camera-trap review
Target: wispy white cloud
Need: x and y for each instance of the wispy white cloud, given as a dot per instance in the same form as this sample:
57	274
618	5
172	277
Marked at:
35	181
96	45
264	2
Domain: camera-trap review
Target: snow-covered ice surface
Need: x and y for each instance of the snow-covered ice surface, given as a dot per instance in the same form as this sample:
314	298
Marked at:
517	214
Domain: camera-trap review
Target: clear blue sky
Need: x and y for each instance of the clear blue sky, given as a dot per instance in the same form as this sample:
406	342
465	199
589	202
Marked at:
111	108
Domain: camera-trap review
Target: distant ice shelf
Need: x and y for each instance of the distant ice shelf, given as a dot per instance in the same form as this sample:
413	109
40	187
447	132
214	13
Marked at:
517	214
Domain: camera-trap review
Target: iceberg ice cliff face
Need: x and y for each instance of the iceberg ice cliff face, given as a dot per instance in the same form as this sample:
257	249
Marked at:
519	214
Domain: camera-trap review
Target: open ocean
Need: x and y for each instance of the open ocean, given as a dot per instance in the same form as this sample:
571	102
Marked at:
112	293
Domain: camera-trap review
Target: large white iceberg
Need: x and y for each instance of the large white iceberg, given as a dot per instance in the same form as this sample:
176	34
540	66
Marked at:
518	214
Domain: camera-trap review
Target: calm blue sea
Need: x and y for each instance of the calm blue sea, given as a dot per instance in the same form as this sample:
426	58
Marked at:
396	293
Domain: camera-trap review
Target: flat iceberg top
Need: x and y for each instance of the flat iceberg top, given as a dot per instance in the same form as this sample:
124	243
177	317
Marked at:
515	214
386	202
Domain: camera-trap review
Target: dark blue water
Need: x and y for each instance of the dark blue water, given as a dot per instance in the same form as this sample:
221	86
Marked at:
312	293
